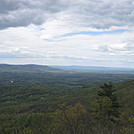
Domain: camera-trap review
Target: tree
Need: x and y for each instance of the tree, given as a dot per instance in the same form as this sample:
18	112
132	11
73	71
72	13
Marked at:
106	109
108	91
71	118
101	109
106	106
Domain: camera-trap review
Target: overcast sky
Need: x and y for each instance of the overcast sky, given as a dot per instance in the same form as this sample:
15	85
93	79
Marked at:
67	32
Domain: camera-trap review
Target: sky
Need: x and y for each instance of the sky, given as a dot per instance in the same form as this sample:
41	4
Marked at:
67	32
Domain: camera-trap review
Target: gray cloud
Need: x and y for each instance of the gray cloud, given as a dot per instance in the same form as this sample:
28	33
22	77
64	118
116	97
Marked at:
104	14
87	13
126	50
15	13
104	48
129	47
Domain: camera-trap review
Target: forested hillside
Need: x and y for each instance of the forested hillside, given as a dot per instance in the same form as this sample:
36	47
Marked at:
29	68
66	103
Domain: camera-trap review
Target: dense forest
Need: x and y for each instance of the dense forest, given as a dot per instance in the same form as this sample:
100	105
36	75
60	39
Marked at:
53	101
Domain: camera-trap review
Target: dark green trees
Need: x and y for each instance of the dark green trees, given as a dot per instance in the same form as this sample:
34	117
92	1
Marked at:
106	110
106	107
108	91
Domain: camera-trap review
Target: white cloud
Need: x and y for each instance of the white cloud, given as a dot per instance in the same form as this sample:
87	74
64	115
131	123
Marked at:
46	21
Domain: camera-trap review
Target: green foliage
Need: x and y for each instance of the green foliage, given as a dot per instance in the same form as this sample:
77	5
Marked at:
125	91
71	117
105	110
32	103
102	108
108	91
27	131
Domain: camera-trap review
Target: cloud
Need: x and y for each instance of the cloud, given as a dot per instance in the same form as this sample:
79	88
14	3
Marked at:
30	39
14	53
99	14
15	13
40	31
126	50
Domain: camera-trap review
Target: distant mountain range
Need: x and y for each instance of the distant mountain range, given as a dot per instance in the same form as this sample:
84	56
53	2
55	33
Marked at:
29	68
32	68
95	69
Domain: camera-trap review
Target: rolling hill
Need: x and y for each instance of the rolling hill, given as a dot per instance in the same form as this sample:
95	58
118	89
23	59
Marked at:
29	68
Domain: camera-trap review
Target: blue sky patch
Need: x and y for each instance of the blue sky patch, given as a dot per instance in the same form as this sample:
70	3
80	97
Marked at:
93	32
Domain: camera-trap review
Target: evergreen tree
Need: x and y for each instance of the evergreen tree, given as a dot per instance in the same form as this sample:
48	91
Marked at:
108	91
106	106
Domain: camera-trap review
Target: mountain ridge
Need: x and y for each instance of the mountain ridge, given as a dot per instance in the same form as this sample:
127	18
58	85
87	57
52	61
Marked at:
94	69
32	68
35	68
